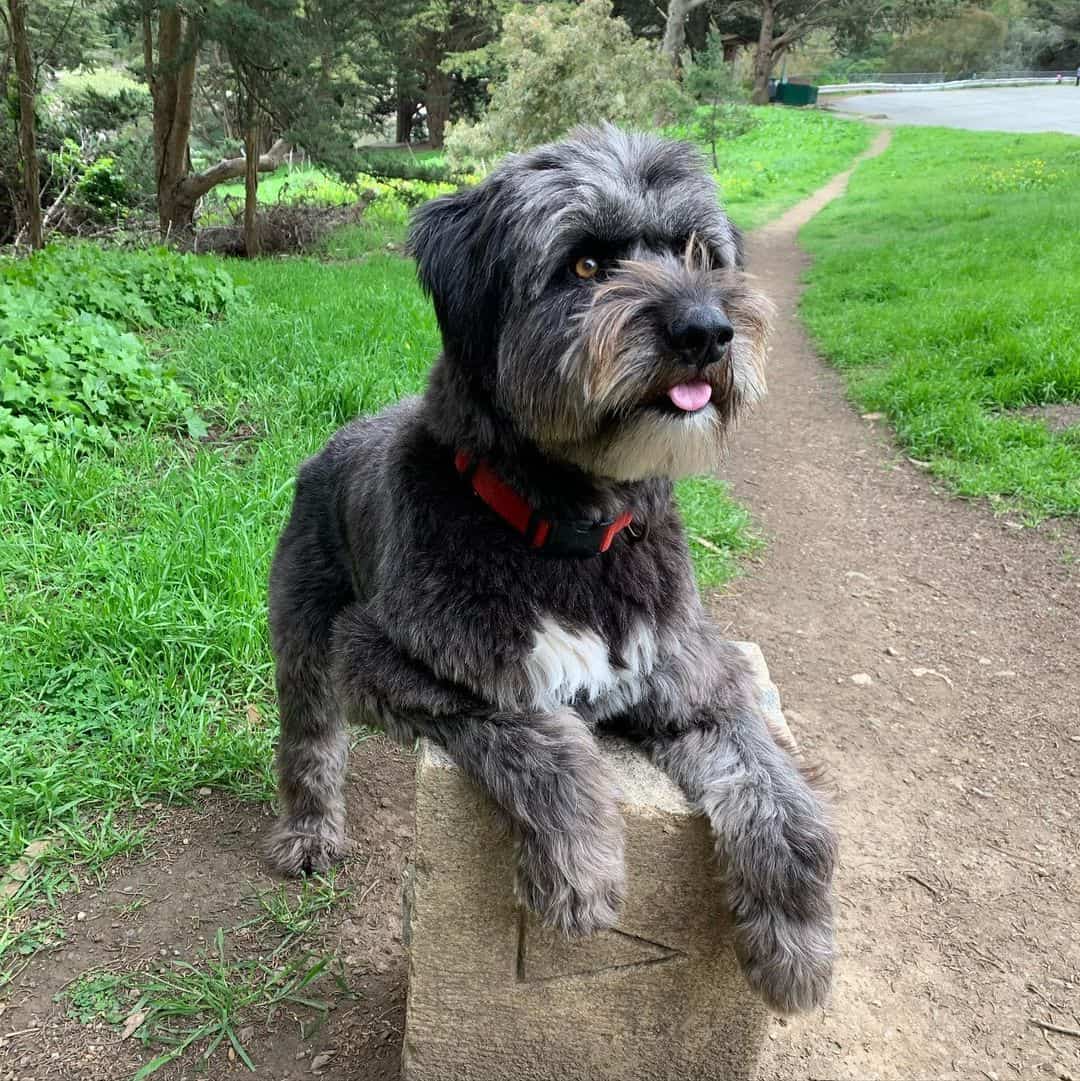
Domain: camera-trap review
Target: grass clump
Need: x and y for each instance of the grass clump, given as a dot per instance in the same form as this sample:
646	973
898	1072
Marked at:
183	1005
944	289
133	580
718	529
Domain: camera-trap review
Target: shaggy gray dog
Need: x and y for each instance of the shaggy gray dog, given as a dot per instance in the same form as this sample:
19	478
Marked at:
498	566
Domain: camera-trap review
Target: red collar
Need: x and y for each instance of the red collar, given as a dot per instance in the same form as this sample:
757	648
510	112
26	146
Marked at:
567	537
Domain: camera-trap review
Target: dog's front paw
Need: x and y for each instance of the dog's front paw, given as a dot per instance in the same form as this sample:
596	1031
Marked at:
782	909
573	888
788	961
304	846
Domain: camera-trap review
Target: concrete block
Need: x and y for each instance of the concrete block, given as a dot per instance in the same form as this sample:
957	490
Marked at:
494	996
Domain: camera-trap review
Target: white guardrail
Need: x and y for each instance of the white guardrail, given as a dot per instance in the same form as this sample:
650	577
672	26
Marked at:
958	84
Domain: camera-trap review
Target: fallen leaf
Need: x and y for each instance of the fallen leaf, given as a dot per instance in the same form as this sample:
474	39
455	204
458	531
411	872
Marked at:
321	1060
132	1023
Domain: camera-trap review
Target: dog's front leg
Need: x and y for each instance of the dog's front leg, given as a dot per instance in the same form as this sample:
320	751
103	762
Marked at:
774	841
543	769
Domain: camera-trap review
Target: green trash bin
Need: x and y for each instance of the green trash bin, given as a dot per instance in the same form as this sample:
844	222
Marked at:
796	94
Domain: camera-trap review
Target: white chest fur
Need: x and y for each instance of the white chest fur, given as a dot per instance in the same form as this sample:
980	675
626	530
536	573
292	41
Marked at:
566	666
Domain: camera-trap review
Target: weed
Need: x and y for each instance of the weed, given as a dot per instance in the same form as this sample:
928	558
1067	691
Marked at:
296	912
96	995
184	1005
188	1005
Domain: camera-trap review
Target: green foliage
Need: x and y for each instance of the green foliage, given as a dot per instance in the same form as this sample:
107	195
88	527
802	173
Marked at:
944	288
133	581
428	166
71	373
562	65
960	45
92	104
309	186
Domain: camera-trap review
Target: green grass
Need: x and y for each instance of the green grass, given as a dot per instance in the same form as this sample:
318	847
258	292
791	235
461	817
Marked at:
945	289
134	584
200	1005
786	155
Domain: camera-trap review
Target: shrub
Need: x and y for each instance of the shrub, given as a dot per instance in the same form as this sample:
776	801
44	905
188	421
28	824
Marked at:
557	66
712	81
138	289
404	166
72	374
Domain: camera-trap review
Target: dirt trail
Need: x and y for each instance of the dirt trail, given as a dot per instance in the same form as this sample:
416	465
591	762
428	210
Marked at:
957	769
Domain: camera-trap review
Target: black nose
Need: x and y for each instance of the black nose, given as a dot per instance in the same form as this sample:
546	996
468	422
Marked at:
695	331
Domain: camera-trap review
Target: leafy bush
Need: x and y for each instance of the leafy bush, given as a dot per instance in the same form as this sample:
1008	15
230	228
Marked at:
71	372
138	289
968	41
396	164
557	66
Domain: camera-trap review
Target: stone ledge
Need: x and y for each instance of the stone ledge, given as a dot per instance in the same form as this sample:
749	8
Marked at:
494	996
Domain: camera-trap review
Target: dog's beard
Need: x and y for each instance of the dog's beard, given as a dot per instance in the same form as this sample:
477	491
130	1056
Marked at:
654	444
608	410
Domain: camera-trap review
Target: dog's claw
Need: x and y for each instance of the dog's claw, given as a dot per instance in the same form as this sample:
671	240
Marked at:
304	848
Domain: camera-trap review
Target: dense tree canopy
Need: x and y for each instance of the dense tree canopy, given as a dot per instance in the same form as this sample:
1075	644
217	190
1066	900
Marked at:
115	104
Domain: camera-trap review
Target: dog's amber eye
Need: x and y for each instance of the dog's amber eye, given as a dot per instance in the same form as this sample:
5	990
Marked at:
586	267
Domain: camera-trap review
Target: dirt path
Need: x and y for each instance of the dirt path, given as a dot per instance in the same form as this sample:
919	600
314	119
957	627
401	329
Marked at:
957	768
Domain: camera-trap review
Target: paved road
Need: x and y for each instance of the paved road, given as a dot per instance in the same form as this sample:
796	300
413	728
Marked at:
1003	108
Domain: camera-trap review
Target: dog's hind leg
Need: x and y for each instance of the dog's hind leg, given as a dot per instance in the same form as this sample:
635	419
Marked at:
307	590
775	845
543	769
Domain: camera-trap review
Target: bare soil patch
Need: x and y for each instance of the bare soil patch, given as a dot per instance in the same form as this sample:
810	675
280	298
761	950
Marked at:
205	873
1057	416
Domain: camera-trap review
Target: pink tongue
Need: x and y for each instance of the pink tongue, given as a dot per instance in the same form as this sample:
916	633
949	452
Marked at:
691	396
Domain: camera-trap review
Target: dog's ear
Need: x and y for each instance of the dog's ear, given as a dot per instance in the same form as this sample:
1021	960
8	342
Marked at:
455	241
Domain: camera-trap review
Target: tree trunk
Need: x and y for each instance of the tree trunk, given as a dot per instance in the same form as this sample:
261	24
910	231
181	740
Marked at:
406	110
172	85
437	103
675	28
763	55
251	190
24	74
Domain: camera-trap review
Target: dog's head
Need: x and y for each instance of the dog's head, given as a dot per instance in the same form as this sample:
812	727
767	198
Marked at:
592	292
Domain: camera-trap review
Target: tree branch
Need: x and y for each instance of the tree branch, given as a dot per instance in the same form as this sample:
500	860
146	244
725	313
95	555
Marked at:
806	23
196	186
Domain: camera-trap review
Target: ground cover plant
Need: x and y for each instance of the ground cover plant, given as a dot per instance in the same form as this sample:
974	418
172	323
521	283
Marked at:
944	288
